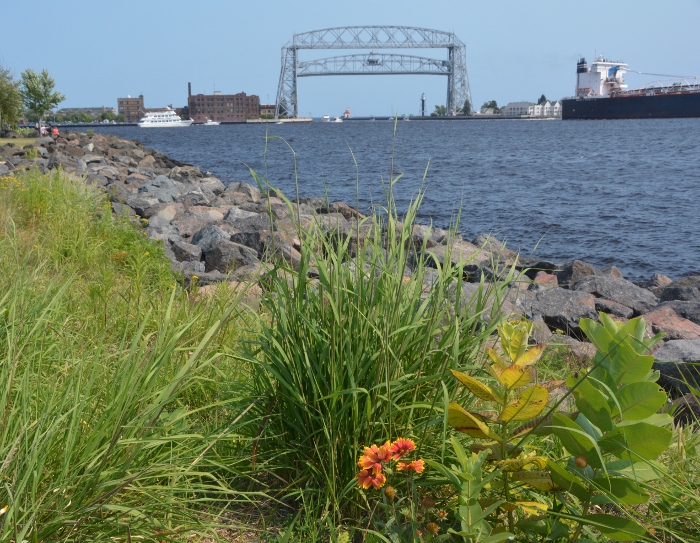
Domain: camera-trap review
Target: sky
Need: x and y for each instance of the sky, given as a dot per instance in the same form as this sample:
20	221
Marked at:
100	51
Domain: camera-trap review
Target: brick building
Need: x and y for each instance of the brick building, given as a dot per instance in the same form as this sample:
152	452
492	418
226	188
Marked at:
132	108
267	109
222	107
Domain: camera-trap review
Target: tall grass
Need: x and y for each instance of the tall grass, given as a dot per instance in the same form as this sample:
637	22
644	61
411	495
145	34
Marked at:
357	354
111	399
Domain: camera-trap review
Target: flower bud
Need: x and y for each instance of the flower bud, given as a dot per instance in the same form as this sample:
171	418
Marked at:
581	461
390	492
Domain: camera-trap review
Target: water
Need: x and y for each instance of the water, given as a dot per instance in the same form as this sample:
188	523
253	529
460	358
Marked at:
609	192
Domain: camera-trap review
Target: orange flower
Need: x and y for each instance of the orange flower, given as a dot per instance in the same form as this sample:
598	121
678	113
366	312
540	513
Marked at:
432	528
374	457
402	446
415	465
367	478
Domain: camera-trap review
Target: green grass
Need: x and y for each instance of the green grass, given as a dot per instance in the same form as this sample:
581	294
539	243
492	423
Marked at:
19	142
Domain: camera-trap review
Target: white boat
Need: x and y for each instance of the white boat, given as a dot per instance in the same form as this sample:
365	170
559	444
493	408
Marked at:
163	119
337	120
209	122
326	118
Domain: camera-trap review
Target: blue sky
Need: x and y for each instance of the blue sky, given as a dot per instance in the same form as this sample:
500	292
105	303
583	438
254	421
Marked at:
100	51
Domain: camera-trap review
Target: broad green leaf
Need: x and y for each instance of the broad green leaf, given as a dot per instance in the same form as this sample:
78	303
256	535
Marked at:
464	421
476	387
649	470
576	440
625	490
568	481
598	335
530	404
514	336
541	480
531	356
592	403
640	400
636	442
616	528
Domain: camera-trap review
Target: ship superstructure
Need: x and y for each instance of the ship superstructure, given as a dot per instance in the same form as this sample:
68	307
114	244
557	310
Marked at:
604	78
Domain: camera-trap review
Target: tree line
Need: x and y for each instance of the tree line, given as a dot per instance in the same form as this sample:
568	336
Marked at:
32	95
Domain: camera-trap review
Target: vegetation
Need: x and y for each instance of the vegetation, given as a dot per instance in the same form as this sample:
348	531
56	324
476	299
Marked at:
490	105
440	111
354	403
38	94
542	100
467	108
10	100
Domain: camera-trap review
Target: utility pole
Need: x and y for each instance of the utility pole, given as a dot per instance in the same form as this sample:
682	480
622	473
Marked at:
422	105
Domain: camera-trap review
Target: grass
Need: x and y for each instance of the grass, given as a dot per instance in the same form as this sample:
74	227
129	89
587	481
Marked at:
134	410
19	142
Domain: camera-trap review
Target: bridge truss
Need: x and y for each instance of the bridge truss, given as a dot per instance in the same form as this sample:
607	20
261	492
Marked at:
373	37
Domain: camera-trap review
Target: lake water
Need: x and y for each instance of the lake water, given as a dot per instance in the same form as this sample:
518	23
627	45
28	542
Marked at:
609	192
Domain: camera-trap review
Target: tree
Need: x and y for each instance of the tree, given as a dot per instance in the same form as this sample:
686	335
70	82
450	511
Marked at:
37	92
10	100
542	100
440	111
467	109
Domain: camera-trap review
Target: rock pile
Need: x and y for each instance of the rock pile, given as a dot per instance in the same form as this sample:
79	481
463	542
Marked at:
220	232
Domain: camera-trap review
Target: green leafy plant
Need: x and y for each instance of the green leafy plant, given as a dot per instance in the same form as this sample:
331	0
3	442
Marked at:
31	153
618	433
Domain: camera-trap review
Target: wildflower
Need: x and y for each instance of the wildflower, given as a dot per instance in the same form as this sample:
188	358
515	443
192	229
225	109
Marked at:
146	253
415	465
367	478
442	513
401	446
4	510
374	456
428	502
432	528
390	492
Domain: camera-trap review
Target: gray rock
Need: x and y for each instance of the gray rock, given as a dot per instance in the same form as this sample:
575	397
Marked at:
186	252
189	224
687	310
224	256
185	174
618	290
678	361
122	209
213	184
208	235
193	198
251	192
497	249
561	309
162	188
680	292
686	409
573	271
163	216
141	202
613	308
165	232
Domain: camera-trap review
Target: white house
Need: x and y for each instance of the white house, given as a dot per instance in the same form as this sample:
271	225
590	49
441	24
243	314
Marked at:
517	108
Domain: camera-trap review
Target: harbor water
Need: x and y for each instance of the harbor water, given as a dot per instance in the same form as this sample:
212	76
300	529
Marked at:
624	193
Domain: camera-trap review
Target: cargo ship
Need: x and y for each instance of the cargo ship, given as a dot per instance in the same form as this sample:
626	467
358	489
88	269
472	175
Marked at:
601	93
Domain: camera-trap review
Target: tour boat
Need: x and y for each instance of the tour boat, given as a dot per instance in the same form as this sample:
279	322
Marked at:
209	122
337	120
326	118
163	119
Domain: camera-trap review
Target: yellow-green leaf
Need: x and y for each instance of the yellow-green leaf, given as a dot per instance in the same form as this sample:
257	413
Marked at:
515	376
541	480
464	421
531	508
530	404
476	387
497	358
531	356
515	464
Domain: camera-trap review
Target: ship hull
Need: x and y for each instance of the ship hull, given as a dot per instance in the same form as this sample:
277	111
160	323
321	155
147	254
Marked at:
660	106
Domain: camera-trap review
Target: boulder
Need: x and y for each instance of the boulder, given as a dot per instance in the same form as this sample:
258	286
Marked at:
582	350
573	271
613	308
678	361
208	235
682	293
665	319
189	224
561	309
163	216
656	284
213	184
618	290
161	187
141	202
686	409
495	248
224	256
185	174
186	252
687	310
193	198
164	232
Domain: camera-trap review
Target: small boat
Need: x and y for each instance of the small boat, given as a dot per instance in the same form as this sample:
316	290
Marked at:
209	122
163	119
406	118
326	118
337	120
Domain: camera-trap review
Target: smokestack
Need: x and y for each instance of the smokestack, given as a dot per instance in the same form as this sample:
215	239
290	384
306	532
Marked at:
189	89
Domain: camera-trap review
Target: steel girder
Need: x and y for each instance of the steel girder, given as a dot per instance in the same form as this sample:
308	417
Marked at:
372	37
372	64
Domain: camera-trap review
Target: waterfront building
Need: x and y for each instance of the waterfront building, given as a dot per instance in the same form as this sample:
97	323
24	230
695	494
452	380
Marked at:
132	108
222	107
267	110
546	109
517	108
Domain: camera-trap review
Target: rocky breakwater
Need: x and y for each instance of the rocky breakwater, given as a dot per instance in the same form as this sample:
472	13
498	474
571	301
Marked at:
231	233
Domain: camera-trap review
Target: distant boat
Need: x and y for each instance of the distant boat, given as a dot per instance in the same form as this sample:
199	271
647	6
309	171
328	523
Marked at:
326	118
163	119
337	120
406	118
209	122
